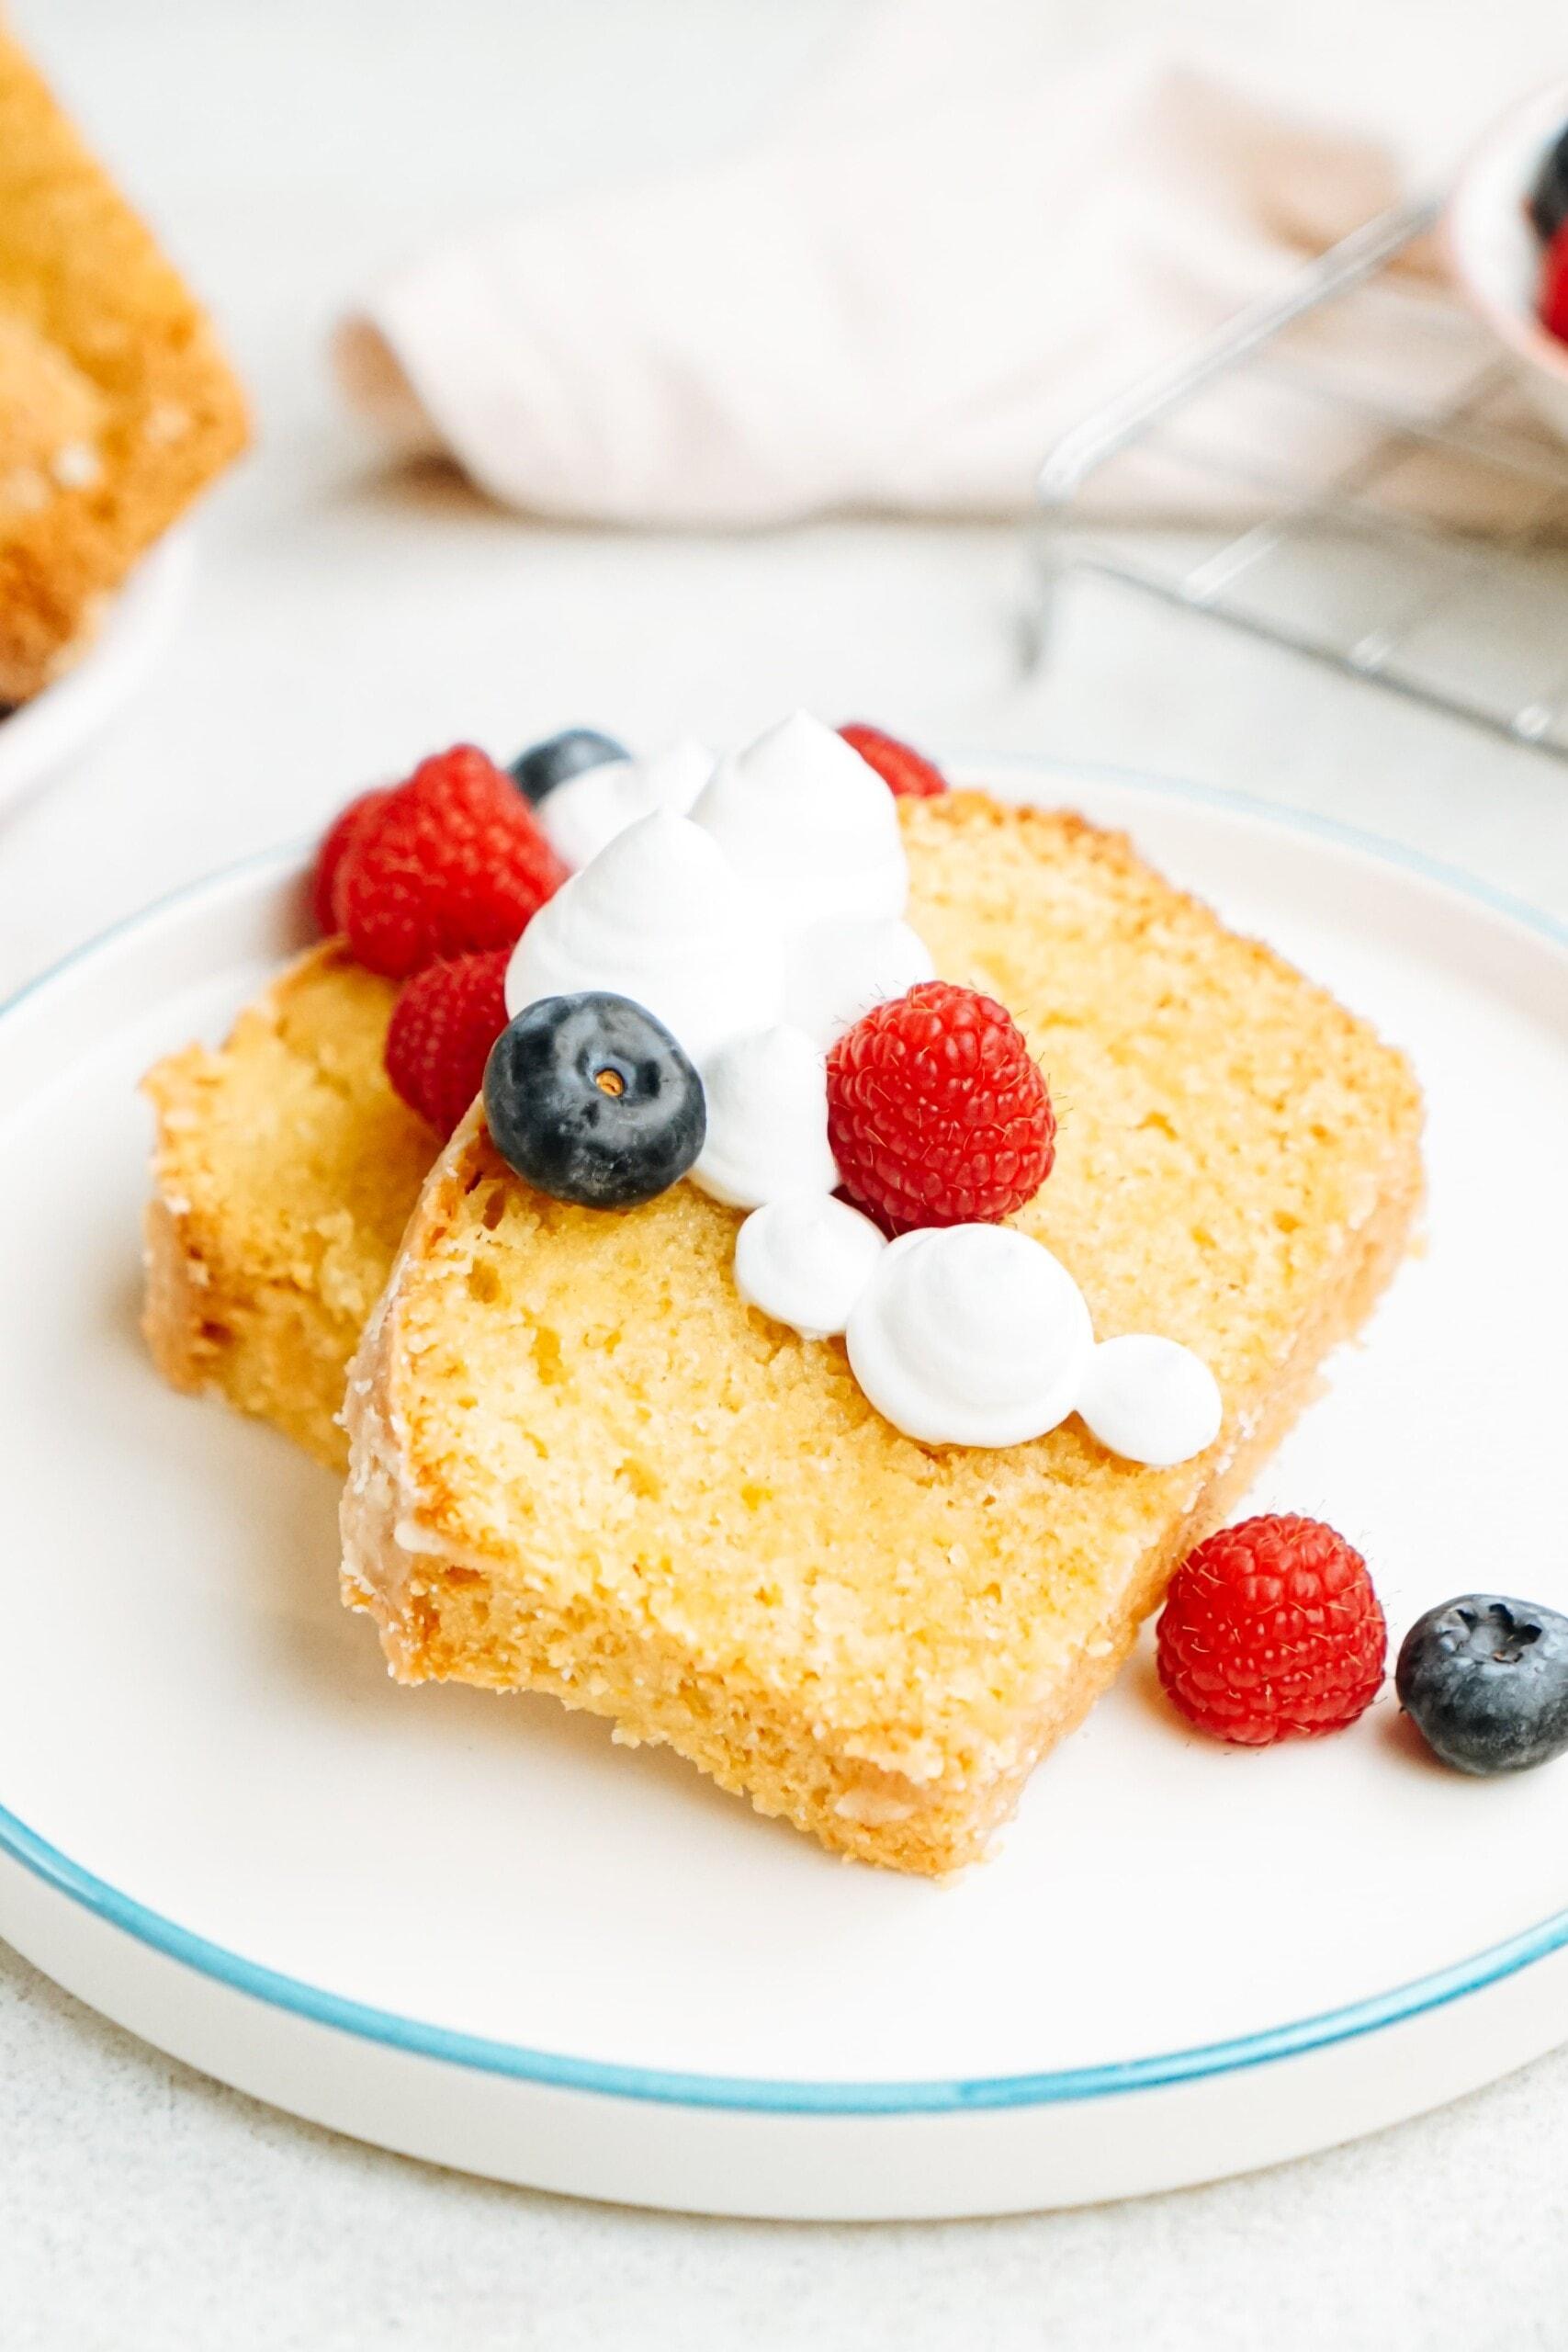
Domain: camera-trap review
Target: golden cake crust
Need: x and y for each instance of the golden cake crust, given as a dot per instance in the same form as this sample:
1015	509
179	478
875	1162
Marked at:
115	404
581	1464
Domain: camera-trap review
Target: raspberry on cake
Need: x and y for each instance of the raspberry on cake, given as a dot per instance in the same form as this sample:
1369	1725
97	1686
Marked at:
451	862
339	838
445	1020
936	1113
905	770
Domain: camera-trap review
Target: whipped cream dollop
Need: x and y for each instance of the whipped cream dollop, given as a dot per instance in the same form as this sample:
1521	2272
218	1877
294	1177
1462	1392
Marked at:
976	1335
805	1260
803	819
970	1335
837	970
1151	1401
767	1119
583	815
661	916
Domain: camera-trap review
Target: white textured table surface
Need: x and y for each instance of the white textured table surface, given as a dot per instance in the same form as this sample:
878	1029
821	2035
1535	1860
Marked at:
343	621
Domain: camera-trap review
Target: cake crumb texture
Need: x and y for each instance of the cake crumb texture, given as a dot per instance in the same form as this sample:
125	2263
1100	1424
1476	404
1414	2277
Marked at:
582	1465
284	1172
116	404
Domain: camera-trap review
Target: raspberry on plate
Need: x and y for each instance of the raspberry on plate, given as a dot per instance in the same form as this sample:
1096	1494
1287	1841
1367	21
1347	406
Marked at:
905	773
1552	301
1271	1631
336	843
451	862
444	1024
936	1113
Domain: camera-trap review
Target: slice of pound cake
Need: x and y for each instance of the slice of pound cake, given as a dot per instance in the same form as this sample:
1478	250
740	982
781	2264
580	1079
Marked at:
583	1462
284	1173
115	404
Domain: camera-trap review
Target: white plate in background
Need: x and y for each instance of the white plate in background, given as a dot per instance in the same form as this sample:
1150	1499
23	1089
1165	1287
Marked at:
39	738
1495	252
473	1929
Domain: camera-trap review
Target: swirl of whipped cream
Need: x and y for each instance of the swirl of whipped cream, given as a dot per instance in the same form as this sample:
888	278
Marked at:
970	1335
583	815
839	970
802	816
767	1109
659	916
1151	1401
805	1260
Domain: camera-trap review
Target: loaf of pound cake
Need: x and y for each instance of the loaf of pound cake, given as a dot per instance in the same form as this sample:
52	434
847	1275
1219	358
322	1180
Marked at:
115	404
582	1464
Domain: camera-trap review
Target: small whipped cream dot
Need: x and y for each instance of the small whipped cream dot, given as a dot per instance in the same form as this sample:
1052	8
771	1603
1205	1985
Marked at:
804	1260
767	1120
587	812
835	971
970	1335
805	821
1151	1401
659	917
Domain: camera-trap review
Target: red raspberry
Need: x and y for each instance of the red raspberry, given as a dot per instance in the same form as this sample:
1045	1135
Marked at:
936	1114
452	861
1272	1630
1552	301
444	1024
902	769
338	839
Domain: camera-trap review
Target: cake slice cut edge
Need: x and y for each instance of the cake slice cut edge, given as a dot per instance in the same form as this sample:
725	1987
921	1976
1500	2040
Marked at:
284	1171
580	1465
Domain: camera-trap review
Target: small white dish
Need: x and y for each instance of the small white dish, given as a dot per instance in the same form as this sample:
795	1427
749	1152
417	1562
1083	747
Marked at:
477	1931
39	737
1495	252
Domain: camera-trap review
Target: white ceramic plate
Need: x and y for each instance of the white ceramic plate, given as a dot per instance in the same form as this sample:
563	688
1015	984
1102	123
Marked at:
475	1930
44	735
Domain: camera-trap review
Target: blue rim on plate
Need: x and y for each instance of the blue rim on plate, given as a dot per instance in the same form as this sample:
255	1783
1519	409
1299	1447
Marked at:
415	2038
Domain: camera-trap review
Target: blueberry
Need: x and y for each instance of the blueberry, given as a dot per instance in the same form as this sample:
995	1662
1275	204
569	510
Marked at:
1549	192
1485	1682
537	772
591	1100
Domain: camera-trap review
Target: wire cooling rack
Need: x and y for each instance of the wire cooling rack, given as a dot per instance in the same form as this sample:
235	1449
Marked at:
1365	486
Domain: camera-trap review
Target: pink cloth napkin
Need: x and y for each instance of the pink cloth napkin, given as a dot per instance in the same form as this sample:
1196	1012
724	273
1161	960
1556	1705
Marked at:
897	300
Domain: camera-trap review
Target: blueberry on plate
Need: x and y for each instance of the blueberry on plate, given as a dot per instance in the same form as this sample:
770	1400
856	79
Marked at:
1485	1682
1549	195
538	771
591	1099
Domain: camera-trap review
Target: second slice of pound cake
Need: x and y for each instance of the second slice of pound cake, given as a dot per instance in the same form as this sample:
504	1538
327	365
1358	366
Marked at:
583	1463
284	1172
